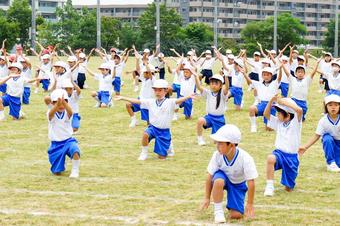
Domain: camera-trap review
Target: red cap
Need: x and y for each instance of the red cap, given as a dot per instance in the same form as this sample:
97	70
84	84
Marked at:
50	47
45	51
18	47
12	58
113	50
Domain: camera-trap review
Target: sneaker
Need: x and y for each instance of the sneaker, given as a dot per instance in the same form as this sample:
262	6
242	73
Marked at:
122	84
110	104
86	86
201	142
97	105
333	167
74	174
22	115
242	104
268	191
171	152
2	117
133	123
136	89
219	217
143	156
175	117
253	129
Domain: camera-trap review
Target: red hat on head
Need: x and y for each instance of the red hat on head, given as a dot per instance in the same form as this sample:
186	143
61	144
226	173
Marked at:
50	47
18	47
113	49
45	51
12	58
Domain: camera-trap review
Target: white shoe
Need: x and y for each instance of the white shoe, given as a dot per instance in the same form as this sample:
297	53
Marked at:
136	89
122	84
86	86
253	129
242	104
110	104
269	191
219	217
2	117
133	123
97	105
143	156
74	174
333	167
201	142
175	117
171	153
22	115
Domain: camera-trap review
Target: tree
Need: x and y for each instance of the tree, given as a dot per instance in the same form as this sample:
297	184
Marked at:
289	29
21	13
328	42
8	30
129	36
111	30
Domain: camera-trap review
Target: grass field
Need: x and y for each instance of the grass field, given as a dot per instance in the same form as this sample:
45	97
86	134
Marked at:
116	189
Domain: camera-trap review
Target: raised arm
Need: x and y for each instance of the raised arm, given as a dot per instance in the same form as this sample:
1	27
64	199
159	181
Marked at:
90	72
198	83
305	54
315	68
90	54
266	112
131	100
282	50
261	49
295	107
3	43
70	50
76	87
175	52
291	54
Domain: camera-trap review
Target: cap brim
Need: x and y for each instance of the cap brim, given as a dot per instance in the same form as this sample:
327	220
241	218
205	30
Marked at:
217	138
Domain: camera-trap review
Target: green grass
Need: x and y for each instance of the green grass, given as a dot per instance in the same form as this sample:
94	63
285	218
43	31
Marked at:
116	189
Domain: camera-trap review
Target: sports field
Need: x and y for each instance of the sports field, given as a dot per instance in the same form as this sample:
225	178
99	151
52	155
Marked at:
116	189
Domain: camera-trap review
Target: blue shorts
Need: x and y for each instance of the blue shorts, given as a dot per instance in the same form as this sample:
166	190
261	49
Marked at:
214	121
302	104
331	148
3	88
187	105
45	83
207	74
144	113
284	87
14	104
104	97
235	192
176	88
26	95
260	110
117	84
57	152
254	76
162	139
76	121
289	163
333	91
237	93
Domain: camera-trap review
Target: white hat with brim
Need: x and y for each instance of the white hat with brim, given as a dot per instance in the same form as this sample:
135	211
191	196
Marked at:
217	77
105	66
329	54
231	57
67	84
285	108
332	98
285	58
239	62
190	53
58	93
61	64
146	51
300	66
46	57
266	61
227	133
257	53
228	51
82	55
151	69
208	52
2	58
160	83
16	65
268	69
71	59
301	58
161	55
272	51
335	62
296	51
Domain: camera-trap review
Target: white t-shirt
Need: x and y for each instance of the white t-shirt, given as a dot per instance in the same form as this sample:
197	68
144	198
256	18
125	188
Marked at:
61	78
45	71
240	169
237	79
294	65
299	88
208	64
160	114
211	99
3	71
60	127
177	76
82	67
146	91
188	86
73	101
288	135
105	82
119	69
333	80
256	66
325	67
74	74
27	77
285	77
326	125
15	86
266	92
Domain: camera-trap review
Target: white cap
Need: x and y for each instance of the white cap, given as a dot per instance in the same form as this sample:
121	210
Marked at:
217	77
268	69
227	133
228	51
46	57
273	51
239	62
82	55
105	66
160	83
151	69
71	59
300	66
296	51
2	58
285	108
301	57
61	64
284	57
161	55
328	53
231	56
58	93
332	98
146	51
187	66
67	83
335	62
190	53
16	65
208	52
257	53
265	61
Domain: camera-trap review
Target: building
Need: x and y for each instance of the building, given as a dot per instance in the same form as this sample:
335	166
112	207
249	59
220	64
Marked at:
45	8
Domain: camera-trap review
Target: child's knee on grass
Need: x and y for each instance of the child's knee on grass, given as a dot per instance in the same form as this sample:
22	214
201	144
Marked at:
76	156
102	105
252	110
218	183
47	100
94	94
201	121
288	189
233	214
75	129
271	159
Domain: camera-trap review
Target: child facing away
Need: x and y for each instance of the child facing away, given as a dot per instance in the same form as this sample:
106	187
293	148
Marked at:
73	93
231	169
60	133
161	110
329	131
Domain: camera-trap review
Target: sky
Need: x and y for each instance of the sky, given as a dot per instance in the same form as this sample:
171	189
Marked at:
110	2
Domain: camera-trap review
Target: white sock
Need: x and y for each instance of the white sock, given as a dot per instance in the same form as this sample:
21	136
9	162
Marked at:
257	98
133	117
2	113
253	120
145	148
75	164
200	137
270	183
218	207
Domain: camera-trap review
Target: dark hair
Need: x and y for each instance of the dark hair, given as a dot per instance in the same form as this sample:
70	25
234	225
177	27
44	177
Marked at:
218	97
116	57
230	143
326	110
285	114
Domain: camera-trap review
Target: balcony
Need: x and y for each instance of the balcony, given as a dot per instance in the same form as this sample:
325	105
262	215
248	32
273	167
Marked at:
44	9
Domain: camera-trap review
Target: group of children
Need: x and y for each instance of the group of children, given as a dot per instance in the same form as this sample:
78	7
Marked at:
230	168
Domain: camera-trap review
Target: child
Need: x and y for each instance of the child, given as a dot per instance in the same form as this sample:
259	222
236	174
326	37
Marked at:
237	80
60	134
103	96
266	89
73	65
334	79
216	101
325	68
27	74
44	73
231	169
83	61
3	73
176	83
284	86
187	87
161	65
329	129
161	111
118	71
73	93
206	66
287	124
